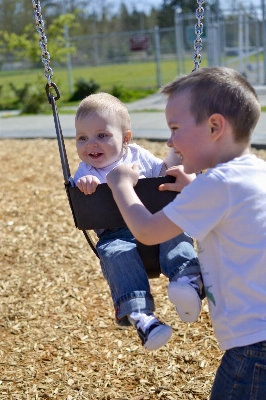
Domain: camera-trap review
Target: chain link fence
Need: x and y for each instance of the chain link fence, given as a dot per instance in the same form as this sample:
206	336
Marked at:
235	39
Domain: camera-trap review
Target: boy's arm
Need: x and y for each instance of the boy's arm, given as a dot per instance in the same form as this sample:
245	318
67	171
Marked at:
146	227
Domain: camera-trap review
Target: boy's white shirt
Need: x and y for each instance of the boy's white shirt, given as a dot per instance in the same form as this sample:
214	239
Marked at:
149	165
225	210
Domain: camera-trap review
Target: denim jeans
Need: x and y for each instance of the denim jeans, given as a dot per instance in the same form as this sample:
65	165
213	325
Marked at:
241	374
126	276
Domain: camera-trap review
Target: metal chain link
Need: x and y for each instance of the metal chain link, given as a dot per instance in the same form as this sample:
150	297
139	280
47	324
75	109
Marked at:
48	72
198	32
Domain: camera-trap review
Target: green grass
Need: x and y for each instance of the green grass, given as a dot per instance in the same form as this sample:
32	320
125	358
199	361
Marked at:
138	77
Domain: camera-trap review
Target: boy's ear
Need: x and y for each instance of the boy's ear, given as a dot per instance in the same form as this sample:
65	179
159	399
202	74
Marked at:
217	125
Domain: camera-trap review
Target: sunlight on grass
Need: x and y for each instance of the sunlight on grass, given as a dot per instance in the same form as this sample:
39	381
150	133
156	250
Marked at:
140	76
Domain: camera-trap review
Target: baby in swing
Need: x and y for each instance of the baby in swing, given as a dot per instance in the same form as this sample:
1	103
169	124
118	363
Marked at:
103	135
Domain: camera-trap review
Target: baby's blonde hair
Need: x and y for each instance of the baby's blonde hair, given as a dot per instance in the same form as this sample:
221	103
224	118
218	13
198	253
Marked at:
104	102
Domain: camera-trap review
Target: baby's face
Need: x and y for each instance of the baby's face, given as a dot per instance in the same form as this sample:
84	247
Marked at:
99	139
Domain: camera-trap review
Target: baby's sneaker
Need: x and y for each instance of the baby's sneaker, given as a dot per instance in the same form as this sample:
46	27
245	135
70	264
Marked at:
153	333
185	295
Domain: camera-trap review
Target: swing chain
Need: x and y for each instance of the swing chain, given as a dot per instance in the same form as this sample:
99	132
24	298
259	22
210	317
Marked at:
48	72
198	33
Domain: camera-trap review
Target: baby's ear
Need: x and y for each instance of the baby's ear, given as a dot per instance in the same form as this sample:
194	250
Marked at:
127	137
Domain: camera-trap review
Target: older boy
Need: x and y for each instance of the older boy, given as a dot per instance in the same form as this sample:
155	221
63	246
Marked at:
211	114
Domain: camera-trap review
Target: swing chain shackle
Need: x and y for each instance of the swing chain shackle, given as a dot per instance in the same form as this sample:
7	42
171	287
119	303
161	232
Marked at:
48	72
198	33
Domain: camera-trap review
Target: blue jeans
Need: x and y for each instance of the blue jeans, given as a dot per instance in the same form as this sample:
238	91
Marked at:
126	276
241	374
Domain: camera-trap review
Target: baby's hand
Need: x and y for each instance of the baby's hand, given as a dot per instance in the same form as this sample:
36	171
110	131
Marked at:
182	179
124	173
88	184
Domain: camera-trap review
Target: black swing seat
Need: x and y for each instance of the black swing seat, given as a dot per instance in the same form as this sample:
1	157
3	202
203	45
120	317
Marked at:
99	211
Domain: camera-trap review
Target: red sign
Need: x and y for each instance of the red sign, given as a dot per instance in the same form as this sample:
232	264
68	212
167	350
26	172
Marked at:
139	43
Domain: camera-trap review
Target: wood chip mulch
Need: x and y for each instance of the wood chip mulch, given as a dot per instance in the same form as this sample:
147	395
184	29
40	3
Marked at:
58	339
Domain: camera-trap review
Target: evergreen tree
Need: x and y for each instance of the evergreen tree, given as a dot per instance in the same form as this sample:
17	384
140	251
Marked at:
166	15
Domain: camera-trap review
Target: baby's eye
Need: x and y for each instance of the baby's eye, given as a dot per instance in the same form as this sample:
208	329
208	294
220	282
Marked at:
101	135
82	138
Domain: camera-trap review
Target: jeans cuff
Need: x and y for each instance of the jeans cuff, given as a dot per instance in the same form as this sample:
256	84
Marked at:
137	304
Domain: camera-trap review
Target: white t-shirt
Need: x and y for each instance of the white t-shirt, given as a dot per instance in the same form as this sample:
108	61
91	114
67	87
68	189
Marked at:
149	165
225	210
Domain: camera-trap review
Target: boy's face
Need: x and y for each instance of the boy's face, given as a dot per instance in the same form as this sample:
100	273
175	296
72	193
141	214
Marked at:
99	139
190	141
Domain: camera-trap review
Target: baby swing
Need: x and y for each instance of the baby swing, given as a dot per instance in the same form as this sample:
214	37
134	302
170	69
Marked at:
99	210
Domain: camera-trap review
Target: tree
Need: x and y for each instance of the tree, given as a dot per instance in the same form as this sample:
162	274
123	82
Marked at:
26	45
15	14
166	13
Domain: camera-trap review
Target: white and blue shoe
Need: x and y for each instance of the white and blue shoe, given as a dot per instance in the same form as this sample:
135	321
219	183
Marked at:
153	333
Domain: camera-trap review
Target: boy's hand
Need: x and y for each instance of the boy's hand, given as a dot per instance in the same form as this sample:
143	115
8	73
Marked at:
182	179
124	173
88	184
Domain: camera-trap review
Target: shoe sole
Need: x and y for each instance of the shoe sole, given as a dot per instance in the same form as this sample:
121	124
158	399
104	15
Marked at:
158	337
186	301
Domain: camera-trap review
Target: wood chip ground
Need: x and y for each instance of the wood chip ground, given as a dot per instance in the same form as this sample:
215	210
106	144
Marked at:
58	339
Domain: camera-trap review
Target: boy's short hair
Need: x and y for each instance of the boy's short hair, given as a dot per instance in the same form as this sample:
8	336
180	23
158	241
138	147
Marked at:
219	90
107	103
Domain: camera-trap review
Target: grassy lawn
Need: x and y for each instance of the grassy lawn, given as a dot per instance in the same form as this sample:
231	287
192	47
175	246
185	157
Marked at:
135	76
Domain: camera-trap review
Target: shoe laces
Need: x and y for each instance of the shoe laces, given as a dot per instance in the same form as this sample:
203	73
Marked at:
143	321
190	281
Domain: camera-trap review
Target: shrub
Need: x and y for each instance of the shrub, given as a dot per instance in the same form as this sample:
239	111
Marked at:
83	89
35	100
118	91
31	99
128	95
19	93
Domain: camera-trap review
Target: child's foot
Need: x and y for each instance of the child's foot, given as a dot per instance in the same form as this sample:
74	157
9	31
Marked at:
185	295
153	333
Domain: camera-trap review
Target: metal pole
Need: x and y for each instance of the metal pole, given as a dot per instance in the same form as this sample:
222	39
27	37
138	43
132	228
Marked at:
179	40
158	55
218	30
263	40
95	40
217	9
141	21
257	40
240	42
246	39
69	63
223	42
181	35
209	38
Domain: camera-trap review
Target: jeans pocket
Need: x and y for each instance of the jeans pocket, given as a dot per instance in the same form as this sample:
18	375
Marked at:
263	345
258	385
